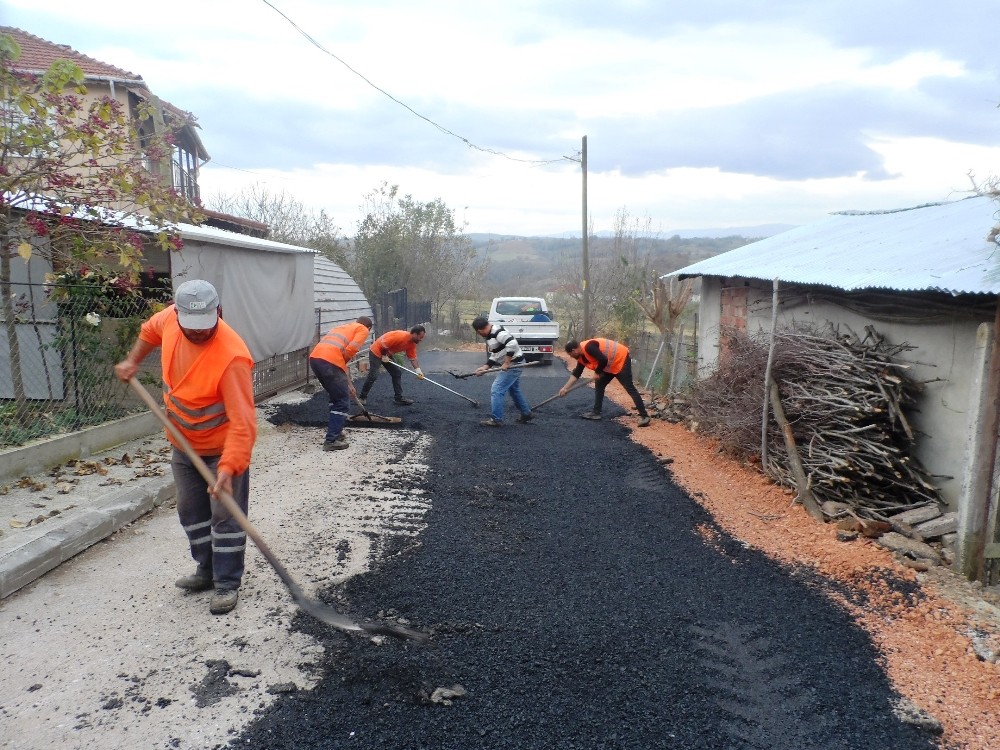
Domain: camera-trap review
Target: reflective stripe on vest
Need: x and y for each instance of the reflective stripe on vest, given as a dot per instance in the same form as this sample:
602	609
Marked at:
611	351
342	346
216	410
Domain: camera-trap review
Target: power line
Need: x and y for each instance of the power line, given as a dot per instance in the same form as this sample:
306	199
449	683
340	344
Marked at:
410	109
247	171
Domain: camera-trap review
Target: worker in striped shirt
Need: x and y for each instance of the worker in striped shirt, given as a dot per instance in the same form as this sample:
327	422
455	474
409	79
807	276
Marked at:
502	350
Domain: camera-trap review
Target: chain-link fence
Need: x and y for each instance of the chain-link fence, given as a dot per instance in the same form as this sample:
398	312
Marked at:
58	349
57	353
665	365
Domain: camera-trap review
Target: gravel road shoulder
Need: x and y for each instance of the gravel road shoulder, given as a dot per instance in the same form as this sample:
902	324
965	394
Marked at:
104	651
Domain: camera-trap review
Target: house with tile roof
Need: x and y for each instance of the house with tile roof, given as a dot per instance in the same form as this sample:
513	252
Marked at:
103	79
266	287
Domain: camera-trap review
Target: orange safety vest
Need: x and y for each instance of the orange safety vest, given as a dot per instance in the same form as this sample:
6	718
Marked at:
340	344
616	353
194	402
392	342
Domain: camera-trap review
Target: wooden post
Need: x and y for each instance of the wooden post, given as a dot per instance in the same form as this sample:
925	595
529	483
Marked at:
586	253
801	482
983	568
767	376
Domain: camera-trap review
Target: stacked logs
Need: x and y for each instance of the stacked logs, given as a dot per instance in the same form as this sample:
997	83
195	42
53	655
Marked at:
846	398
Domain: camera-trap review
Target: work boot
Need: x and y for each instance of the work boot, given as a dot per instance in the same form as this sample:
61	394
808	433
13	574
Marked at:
525	418
644	422
403	401
196	582
595	415
491	423
223	601
335	445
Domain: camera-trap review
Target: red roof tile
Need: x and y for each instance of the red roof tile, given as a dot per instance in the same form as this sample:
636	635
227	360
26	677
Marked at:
37	54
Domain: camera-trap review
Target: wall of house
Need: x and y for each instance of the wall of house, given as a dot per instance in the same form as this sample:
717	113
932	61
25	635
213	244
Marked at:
945	353
709	323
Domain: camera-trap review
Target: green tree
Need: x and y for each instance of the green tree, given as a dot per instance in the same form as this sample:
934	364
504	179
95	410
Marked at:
287	219
402	242
78	187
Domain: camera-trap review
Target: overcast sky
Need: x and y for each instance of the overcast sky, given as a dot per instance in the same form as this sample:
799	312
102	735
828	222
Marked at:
716	113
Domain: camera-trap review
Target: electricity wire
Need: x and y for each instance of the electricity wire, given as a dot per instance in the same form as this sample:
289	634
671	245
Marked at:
410	109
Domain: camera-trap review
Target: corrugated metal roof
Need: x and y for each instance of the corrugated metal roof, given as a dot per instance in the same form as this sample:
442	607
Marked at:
206	233
939	247
27	202
337	296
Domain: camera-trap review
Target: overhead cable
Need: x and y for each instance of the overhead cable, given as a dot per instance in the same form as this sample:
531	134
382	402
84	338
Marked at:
410	109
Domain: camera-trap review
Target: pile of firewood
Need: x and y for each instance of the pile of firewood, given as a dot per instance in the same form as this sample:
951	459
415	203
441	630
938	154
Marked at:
846	398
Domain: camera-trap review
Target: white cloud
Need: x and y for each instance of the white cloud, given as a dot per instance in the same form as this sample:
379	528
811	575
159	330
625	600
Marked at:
709	114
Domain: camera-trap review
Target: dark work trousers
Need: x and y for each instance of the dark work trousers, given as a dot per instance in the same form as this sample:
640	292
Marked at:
374	363
335	382
625	378
218	544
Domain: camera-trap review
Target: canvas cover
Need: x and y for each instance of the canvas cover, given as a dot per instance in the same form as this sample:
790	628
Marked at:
265	289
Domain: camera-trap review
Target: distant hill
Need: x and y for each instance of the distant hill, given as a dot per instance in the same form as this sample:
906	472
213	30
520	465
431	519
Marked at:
757	232
528	264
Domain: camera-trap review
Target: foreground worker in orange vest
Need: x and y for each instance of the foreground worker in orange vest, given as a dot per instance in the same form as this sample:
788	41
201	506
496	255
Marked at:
609	360
207	373
328	361
389	343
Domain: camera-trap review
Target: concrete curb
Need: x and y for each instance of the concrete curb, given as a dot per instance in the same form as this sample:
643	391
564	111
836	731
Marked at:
44	454
74	532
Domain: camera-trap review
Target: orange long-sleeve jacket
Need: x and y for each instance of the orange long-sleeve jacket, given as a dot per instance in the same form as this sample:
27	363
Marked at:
392	342
340	344
208	389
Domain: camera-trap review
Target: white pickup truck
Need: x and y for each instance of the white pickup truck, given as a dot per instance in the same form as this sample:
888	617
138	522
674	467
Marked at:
530	320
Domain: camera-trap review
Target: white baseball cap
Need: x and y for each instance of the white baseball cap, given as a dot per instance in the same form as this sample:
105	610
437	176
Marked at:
197	305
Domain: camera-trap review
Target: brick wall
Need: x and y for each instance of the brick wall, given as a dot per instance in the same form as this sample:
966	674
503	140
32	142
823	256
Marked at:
733	316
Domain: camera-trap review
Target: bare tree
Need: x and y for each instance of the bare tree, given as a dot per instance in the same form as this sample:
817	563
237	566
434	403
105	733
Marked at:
663	309
619	267
287	219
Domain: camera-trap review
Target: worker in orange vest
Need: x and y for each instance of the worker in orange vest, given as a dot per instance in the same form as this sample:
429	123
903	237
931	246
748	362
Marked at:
328	360
389	343
207	372
610	360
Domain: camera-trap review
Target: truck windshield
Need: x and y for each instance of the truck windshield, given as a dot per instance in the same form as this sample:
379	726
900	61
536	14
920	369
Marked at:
519	307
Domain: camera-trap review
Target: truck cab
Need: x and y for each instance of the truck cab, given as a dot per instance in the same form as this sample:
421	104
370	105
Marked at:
529	319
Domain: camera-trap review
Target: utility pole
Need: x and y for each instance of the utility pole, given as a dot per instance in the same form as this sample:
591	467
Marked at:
586	256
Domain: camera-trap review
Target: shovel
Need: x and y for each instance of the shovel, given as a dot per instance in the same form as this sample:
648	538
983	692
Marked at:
465	375
322	612
372	420
361	406
578	384
428	380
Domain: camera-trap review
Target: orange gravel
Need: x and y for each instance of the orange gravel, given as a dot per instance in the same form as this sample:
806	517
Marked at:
925	647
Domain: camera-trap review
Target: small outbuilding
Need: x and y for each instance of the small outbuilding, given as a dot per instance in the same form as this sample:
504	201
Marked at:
928	276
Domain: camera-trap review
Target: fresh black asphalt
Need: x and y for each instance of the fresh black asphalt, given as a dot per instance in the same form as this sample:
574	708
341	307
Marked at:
581	600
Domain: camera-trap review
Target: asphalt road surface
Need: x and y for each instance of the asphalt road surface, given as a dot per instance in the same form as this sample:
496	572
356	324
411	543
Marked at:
576	598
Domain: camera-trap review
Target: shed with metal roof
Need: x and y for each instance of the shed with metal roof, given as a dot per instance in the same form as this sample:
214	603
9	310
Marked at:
927	276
